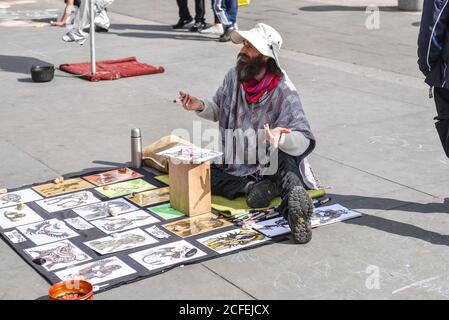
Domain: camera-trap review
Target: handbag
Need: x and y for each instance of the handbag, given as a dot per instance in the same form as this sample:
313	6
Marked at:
243	3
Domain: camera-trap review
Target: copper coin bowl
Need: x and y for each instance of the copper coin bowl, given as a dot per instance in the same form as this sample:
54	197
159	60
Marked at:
71	290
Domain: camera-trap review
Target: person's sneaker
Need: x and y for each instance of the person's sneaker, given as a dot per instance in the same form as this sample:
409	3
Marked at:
72	36
225	37
215	29
300	210
197	26
101	29
182	23
260	194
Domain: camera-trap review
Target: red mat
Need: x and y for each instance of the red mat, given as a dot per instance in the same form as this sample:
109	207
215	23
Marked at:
111	69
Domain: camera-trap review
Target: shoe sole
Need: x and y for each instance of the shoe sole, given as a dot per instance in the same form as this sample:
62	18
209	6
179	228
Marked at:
300	210
262	202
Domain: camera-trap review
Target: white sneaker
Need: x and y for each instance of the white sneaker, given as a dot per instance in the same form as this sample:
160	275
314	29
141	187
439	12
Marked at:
72	36
215	29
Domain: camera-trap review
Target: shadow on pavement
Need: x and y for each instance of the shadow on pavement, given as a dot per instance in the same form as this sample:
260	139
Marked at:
19	64
345	8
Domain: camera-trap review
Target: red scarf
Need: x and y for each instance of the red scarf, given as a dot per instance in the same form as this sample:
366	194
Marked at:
255	89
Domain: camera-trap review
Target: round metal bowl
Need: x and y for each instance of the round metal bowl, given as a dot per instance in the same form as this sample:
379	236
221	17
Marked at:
42	73
71	290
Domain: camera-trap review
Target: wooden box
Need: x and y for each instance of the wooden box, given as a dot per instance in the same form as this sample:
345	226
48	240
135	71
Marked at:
190	187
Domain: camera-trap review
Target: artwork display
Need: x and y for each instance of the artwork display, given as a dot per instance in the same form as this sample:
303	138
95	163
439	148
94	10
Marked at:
186	154
16	197
125	221
101	209
331	214
124	188
166	212
158	233
58	255
98	271
167	255
79	223
47	231
11	217
15	236
273	227
233	240
112	176
68	201
54	189
151	197
121	241
196	225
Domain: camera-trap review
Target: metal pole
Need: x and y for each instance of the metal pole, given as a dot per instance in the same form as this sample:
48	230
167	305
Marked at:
93	67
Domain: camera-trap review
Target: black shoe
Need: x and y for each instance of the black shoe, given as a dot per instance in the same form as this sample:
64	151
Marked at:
182	23
198	26
261	194
225	37
300	210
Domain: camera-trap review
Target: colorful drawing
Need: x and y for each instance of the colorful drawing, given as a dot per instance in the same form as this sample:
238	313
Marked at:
112	176
125	221
157	233
167	255
121	241
166	212
331	214
98	271
68	201
79	223
273	227
124	188
196	225
233	240
188	154
47	231
53	189
101	209
15	236
16	197
12	217
148	198
58	255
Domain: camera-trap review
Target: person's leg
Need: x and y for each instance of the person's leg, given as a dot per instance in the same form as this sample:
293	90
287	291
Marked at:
217	28
232	9
220	11
200	10
227	185
231	13
184	14
442	125
102	21
82	21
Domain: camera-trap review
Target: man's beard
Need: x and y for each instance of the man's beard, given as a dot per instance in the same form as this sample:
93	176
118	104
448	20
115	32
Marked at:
248	68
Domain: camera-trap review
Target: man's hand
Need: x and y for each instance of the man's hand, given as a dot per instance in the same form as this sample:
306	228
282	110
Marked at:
274	135
189	102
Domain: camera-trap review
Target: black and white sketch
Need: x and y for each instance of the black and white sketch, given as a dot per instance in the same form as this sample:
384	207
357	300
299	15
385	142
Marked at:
272	227
125	221
15	236
47	231
233	240
121	241
331	214
167	255
101	209
67	201
98	271
79	223
58	255
158	233
16	197
11	217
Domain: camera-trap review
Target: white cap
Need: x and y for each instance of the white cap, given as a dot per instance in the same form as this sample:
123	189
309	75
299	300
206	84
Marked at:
263	37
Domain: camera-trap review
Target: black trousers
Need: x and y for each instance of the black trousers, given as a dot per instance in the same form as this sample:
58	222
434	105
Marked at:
286	177
442	125
184	13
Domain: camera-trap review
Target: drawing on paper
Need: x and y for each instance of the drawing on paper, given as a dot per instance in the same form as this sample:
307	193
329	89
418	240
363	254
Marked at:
16	197
68	201
11	217
58	255
158	233
101	209
233	240
148	198
196	225
53	189
167	255
47	231
125	188
188	154
112	176
121	241
98	271
15	237
331	214
125	221
272	227
79	223
166	212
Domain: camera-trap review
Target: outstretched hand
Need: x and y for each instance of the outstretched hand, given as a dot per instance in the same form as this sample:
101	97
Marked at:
273	135
190	102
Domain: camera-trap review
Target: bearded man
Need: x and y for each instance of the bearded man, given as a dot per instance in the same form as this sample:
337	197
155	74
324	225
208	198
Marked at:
257	96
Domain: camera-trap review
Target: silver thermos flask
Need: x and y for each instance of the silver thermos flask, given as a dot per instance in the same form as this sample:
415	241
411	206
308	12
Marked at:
136	148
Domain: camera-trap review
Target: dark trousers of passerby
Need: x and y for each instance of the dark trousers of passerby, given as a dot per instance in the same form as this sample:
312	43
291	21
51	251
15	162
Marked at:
286	177
442	125
184	13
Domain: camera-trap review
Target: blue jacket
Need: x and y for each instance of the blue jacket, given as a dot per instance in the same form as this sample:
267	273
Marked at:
433	43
